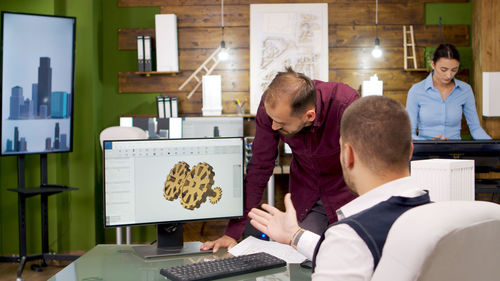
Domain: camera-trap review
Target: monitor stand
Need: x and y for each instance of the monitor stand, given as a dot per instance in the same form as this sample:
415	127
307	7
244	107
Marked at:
169	243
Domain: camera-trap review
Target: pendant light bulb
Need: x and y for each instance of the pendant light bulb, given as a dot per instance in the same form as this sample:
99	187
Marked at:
223	54
377	51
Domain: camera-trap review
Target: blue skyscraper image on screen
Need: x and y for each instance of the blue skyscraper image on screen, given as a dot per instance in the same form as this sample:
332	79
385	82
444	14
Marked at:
38	56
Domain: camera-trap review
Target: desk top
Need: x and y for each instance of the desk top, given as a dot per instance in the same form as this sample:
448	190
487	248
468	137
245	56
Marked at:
119	262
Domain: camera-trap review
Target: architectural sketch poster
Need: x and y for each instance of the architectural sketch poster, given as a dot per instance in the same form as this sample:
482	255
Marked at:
286	35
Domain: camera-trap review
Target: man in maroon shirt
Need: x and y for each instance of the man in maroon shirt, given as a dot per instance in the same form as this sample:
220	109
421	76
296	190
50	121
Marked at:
306	115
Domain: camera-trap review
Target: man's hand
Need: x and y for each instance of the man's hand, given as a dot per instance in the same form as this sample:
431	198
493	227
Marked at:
223	242
279	226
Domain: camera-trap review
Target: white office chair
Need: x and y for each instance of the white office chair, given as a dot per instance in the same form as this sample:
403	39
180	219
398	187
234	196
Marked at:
449	240
122	133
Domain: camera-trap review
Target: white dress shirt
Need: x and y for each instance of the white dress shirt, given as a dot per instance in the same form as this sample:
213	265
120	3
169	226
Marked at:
343	255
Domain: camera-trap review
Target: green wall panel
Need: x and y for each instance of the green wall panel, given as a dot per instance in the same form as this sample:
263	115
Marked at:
115	61
451	13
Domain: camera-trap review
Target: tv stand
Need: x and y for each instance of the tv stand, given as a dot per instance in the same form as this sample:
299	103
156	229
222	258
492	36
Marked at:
44	190
169	243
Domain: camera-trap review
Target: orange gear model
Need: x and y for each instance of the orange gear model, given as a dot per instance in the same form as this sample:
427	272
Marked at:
198	186
175	180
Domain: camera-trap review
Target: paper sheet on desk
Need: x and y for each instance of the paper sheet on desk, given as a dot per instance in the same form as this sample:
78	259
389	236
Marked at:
253	245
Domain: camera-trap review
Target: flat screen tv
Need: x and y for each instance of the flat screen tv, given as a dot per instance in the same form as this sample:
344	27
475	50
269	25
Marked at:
37	71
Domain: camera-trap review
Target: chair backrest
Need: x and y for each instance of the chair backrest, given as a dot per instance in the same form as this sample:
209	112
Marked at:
122	133
449	240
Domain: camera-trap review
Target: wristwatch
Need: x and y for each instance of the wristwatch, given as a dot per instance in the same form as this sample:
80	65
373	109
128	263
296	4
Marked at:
296	238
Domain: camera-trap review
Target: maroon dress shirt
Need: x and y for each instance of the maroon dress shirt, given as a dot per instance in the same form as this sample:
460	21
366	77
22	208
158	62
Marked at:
315	171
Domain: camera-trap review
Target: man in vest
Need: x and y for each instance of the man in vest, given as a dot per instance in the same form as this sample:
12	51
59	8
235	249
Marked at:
376	145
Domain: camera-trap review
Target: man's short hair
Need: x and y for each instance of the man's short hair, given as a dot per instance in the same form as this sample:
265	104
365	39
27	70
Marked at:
293	86
379	130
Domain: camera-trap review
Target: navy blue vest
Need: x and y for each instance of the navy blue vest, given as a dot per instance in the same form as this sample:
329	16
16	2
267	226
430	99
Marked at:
373	224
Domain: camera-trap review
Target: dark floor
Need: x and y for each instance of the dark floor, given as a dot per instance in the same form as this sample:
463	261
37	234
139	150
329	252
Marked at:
8	271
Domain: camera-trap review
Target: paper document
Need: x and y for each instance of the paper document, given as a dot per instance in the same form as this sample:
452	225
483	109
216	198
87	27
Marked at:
253	245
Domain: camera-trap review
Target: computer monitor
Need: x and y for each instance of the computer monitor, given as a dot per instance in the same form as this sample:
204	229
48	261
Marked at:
37	83
170	181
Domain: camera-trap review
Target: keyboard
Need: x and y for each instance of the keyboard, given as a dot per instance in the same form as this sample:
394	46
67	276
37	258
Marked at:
227	267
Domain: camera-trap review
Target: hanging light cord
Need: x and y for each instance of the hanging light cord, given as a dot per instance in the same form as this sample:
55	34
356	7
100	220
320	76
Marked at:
376	52
222	17
376	12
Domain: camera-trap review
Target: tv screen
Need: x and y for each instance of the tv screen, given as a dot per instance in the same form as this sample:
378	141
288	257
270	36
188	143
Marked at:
37	83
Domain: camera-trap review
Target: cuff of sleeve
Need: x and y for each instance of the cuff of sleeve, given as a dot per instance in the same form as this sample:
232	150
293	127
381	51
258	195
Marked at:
307	244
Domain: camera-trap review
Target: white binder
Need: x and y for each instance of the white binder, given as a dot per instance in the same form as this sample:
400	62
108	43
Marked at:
167	54
147	54
140	53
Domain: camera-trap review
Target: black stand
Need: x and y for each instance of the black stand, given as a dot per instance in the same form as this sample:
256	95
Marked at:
169	243
44	190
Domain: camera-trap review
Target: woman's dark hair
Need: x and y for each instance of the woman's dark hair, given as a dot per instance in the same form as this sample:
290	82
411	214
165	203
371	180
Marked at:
446	50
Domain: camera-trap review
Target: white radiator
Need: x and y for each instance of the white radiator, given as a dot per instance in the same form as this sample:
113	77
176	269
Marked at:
446	179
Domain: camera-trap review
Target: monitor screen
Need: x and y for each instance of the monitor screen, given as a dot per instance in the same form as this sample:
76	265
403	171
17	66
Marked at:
172	180
37	83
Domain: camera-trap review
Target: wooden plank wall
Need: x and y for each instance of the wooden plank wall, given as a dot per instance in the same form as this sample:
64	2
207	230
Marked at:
486	44
351	37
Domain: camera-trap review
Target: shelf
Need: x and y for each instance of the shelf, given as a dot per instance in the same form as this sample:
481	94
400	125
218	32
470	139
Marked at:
149	73
197	115
49	190
419	69
233	115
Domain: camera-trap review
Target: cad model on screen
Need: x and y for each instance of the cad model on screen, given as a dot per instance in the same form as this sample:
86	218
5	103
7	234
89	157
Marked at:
192	186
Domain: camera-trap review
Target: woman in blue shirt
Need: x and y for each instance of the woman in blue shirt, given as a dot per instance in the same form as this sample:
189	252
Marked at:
435	105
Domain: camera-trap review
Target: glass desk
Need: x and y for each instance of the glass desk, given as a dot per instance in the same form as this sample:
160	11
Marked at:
119	262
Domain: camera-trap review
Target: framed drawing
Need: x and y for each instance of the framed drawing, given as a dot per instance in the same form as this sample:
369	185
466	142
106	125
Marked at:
284	35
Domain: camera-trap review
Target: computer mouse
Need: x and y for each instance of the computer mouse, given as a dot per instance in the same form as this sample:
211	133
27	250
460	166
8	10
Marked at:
306	264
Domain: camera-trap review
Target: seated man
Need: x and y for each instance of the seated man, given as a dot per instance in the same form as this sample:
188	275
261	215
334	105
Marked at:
376	145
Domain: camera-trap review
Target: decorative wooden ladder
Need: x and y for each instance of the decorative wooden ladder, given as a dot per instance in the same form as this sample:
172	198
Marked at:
406	45
214	59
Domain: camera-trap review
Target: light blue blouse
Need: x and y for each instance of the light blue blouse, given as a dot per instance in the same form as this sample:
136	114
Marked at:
433	116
